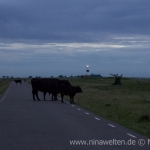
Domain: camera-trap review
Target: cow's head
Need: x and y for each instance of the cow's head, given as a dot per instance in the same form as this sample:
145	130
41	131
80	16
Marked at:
79	90
66	82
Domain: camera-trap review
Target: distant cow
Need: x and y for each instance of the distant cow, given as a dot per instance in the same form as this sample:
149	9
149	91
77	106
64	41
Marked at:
17	81
69	90
46	85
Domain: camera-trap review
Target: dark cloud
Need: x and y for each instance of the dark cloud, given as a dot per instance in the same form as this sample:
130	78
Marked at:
69	20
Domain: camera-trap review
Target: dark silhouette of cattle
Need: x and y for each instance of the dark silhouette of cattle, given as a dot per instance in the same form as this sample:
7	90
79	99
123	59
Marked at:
53	96
57	90
46	85
17	81
69	90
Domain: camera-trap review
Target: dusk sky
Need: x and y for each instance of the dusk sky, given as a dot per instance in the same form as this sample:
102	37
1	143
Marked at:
60	37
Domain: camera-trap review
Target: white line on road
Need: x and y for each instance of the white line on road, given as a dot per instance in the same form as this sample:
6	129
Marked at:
131	135
78	108
6	93
72	105
97	118
111	125
87	113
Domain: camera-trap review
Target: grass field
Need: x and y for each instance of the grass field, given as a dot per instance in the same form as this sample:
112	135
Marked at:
125	104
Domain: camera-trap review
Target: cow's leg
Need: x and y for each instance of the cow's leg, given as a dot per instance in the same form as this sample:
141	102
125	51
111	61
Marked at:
62	97
52	96
44	93
37	96
33	95
55	96
72	99
49	93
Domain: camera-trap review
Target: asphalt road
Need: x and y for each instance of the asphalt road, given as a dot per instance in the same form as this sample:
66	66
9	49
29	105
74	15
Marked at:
48	125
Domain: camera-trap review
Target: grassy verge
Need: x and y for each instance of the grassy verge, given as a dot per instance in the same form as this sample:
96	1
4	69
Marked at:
3	85
123	104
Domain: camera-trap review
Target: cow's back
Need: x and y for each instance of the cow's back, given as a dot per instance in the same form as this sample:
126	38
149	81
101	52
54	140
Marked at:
46	84
65	89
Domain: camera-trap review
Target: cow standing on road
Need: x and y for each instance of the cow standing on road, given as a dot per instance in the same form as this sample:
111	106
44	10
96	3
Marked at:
54	95
69	90
17	81
46	85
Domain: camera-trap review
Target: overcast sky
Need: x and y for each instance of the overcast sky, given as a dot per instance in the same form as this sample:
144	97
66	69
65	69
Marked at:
60	37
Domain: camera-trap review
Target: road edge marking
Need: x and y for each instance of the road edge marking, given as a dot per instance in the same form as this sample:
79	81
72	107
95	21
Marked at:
131	135
6	93
111	125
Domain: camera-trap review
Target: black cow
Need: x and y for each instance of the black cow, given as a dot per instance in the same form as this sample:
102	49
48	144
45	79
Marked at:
69	90
46	85
54	95
17	81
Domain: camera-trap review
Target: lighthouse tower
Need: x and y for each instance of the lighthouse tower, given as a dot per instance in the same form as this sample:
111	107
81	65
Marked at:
87	70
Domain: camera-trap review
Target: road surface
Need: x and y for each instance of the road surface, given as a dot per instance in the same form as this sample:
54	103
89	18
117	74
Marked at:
50	125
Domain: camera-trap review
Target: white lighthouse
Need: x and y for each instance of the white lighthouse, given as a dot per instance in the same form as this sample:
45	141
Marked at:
87	70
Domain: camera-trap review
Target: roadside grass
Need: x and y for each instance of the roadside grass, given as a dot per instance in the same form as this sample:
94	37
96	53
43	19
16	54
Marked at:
3	85
124	104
